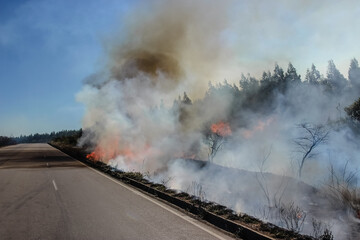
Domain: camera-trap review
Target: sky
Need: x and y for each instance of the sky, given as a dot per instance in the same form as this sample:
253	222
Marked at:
48	48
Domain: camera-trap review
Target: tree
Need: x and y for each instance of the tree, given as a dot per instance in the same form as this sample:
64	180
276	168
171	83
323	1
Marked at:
314	135
354	110
274	198
248	84
266	79
334	78
183	107
216	137
312	76
291	76
342	189
279	79
215	141
186	99
354	73
278	75
4	141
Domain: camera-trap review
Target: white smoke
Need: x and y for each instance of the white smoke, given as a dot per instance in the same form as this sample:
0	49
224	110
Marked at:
133	122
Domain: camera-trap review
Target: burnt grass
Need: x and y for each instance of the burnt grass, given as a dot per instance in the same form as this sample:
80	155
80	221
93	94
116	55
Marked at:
201	207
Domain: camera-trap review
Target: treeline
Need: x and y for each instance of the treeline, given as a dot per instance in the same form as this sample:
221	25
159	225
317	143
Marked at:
70	136
5	141
280	88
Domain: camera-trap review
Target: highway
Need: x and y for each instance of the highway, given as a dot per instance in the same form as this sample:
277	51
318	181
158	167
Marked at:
45	194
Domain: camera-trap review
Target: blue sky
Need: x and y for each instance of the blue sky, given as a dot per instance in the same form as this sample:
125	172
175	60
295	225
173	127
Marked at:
47	48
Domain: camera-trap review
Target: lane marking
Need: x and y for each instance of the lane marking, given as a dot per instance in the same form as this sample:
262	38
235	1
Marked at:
54	183
182	216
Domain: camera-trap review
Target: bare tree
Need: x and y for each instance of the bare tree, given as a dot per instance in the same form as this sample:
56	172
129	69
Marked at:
314	135
215	141
261	179
273	196
321	230
342	189
292	217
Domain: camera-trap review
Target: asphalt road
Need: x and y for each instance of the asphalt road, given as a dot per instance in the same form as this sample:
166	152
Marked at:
45	194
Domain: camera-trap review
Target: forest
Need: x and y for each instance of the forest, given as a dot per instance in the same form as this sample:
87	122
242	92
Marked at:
69	136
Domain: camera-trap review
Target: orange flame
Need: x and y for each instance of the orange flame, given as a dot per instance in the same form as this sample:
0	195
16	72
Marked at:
105	150
101	154
94	156
112	148
259	127
221	128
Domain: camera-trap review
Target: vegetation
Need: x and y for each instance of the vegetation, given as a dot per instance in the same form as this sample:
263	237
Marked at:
313	136
261	95
354	110
276	89
5	141
342	190
66	136
195	195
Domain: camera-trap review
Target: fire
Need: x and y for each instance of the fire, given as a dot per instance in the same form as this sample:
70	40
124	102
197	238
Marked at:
102	154
221	128
113	148
94	156
259	127
99	154
105	150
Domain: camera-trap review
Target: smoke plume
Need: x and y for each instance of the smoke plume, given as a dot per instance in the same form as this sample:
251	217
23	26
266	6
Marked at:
152	107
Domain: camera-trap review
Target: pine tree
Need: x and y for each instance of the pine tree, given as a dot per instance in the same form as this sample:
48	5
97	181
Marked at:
248	84
279	79
278	75
354	74
186	99
336	80
266	78
313	76
353	110
291	76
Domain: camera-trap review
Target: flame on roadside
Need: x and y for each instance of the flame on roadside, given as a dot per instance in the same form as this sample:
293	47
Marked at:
110	150
94	156
105	151
102	154
114	148
221	128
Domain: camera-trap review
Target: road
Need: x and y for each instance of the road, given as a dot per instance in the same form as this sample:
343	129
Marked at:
45	194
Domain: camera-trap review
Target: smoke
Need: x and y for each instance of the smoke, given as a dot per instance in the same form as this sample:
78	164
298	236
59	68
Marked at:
166	49
139	118
182	40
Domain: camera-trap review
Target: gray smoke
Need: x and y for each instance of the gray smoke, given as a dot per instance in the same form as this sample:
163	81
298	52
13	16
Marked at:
135	121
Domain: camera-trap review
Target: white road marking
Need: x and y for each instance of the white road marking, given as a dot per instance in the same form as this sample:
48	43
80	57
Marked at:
54	183
182	216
